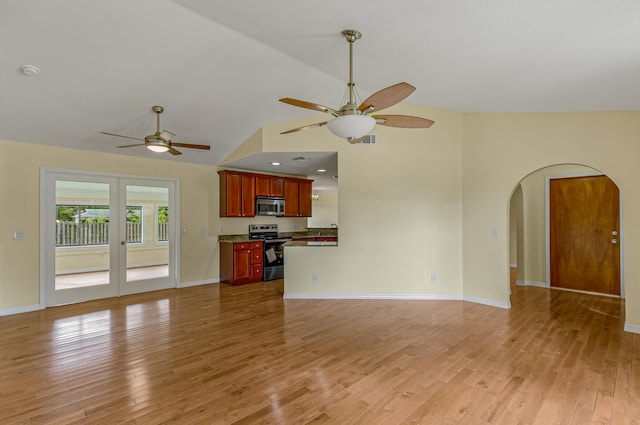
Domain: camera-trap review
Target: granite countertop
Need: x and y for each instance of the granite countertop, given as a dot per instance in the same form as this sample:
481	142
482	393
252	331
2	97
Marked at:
311	243
309	233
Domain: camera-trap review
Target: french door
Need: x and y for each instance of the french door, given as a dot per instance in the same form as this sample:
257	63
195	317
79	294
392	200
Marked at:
106	235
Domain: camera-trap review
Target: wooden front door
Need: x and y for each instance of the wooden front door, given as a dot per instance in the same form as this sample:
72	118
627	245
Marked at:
584	220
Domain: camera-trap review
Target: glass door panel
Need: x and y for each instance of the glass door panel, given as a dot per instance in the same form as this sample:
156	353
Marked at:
81	224
147	236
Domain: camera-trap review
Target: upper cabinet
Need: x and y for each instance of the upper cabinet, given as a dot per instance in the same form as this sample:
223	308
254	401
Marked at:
297	194
237	194
238	191
269	186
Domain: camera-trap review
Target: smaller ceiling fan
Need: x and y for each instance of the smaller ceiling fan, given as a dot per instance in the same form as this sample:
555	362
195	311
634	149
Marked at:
160	141
353	122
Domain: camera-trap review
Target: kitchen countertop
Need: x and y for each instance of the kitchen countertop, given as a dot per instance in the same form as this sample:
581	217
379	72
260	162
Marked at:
329	232
311	243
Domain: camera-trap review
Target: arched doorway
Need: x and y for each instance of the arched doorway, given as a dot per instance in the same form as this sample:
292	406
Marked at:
530	253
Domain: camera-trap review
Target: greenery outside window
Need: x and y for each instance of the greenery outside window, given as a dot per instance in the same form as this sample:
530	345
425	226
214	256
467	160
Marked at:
163	224
88	225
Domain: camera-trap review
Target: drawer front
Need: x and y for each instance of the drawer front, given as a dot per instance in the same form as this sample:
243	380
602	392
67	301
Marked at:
256	245
241	246
257	271
256	257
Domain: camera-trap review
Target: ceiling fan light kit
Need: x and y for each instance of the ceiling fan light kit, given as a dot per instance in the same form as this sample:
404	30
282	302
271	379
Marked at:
352	122
351	126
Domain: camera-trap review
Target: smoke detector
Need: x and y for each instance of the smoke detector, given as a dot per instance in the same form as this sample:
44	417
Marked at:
29	70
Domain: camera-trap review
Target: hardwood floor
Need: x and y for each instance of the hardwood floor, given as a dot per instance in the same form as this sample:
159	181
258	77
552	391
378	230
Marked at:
241	355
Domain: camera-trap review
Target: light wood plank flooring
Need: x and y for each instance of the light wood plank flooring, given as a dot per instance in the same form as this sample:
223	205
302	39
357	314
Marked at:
218	354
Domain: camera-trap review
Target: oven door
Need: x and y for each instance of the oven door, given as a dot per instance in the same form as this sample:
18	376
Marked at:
274	259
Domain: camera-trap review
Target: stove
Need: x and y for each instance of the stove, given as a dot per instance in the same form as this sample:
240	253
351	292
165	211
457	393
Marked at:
273	249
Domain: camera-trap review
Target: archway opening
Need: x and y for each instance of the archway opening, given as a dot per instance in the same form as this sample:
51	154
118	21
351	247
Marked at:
532	260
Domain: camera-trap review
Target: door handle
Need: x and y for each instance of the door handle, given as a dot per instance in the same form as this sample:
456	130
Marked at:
123	243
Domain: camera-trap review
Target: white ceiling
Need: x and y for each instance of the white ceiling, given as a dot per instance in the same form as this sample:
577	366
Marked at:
219	67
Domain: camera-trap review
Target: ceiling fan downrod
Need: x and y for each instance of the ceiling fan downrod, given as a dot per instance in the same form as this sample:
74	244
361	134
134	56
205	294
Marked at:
351	36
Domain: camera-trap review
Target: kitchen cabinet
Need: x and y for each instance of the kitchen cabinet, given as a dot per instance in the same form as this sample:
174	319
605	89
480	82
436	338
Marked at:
297	194
241	262
237	194
238	191
269	186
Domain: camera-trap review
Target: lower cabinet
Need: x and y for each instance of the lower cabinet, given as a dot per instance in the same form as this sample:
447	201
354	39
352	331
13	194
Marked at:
240	262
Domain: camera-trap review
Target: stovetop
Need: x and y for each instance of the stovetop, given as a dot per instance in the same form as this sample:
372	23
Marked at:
265	232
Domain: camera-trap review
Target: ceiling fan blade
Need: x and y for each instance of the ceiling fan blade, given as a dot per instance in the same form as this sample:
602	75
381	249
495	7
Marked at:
192	146
130	146
306	127
120	135
308	105
387	97
172	151
402	121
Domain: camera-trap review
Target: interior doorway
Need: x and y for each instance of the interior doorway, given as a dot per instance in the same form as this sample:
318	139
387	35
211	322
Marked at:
105	235
529	230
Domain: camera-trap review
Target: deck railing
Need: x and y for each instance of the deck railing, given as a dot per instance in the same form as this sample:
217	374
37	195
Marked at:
79	234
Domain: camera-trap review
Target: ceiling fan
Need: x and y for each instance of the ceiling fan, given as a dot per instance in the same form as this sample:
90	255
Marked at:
160	141
353	122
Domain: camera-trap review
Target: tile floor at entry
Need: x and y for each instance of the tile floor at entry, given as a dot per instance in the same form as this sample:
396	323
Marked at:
78	280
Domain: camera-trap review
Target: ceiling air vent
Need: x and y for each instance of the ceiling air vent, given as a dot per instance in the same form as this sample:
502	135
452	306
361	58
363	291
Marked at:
369	139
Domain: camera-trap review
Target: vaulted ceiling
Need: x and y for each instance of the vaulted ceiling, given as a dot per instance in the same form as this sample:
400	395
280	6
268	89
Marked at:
219	67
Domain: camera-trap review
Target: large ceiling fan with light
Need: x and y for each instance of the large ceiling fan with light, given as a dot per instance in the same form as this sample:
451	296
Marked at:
353	122
160	141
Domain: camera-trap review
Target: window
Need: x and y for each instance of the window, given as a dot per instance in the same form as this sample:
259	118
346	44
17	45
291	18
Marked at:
163	224
86	225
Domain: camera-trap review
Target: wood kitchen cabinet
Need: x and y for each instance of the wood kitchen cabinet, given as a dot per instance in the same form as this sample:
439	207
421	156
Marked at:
297	194
238	191
241	262
237	194
269	186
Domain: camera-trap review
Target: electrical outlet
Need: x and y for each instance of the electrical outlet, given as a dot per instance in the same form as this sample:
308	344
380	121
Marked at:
19	235
495	233
184	230
315	277
203	230
435	277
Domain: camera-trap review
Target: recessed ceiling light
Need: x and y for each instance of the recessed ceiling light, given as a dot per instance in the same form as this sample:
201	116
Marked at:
321	170
275	163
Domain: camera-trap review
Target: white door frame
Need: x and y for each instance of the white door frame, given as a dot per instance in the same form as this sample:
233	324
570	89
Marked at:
48	177
547	219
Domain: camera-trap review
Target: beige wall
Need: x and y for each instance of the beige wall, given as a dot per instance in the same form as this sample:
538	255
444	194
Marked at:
399	204
325	210
20	210
500	149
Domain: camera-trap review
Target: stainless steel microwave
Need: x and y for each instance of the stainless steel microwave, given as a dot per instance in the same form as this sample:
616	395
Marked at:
270	206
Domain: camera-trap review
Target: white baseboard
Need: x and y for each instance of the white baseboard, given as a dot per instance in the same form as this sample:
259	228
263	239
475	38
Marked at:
532	283
323	296
18	310
423	297
198	283
489	302
628	327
